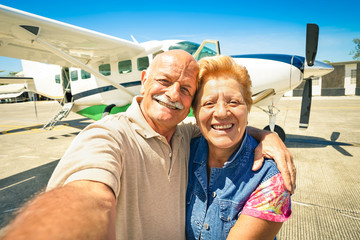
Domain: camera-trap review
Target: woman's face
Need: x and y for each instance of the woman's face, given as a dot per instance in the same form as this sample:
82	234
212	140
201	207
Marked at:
221	112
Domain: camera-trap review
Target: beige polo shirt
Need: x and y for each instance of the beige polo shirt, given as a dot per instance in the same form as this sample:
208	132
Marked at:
148	176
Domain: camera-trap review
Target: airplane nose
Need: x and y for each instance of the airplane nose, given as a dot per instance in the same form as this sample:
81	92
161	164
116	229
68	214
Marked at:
317	70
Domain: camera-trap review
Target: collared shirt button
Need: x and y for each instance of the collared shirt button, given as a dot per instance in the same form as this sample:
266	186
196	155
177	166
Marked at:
214	194
206	226
170	154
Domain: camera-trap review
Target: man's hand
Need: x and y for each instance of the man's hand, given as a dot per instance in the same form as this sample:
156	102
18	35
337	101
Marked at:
271	146
79	210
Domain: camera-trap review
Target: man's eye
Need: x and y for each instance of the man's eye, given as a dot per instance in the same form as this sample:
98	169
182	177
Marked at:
185	91
164	82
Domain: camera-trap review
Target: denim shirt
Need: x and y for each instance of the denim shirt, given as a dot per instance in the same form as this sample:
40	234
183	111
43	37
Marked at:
212	210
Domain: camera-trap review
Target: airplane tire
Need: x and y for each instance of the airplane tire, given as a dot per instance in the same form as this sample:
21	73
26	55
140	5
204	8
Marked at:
108	110
278	130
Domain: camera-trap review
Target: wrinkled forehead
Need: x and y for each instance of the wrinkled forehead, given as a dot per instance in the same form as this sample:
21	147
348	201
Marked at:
176	66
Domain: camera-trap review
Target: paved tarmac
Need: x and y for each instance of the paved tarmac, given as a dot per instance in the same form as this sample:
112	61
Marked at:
326	204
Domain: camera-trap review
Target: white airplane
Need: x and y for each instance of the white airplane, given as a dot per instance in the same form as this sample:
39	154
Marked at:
101	73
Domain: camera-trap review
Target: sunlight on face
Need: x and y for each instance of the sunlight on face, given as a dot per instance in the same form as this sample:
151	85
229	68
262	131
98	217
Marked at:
168	89
221	112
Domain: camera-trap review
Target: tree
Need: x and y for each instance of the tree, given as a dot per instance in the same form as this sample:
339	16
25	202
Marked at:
356	52
12	74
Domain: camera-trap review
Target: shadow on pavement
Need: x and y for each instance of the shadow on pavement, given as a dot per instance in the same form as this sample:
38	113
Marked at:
77	123
299	141
19	188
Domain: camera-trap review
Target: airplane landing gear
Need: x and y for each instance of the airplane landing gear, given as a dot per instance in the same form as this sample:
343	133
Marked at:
272	118
108	110
278	130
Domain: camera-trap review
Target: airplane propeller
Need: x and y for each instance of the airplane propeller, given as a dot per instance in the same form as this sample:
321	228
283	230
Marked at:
312	36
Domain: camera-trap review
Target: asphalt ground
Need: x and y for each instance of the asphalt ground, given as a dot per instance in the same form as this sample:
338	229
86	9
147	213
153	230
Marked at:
326	203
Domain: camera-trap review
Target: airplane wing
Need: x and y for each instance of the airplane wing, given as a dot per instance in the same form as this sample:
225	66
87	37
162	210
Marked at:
11	90
13	80
84	45
15	86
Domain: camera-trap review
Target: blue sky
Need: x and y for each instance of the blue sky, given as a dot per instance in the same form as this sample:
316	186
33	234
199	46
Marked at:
241	26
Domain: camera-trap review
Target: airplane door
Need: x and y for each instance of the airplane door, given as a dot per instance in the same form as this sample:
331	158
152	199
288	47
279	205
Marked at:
207	49
350	79
66	84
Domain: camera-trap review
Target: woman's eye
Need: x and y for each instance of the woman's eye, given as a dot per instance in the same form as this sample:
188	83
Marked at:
208	104
235	103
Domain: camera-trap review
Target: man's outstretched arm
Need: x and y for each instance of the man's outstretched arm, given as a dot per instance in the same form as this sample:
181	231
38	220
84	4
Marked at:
79	210
271	146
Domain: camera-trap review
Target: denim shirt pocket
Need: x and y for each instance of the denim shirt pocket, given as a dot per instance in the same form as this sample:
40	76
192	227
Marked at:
228	214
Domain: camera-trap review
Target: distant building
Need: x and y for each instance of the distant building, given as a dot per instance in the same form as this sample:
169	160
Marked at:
343	81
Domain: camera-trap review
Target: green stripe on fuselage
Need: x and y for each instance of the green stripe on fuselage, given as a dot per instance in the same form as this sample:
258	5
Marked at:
95	112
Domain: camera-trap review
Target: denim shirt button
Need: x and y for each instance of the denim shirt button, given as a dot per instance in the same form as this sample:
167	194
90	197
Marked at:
214	194
206	226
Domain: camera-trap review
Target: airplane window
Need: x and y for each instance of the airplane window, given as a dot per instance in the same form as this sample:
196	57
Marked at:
104	69
85	74
74	75
125	66
142	63
57	78
206	52
157	53
191	48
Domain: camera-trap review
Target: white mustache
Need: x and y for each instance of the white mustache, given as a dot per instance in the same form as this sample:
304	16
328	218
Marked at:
162	98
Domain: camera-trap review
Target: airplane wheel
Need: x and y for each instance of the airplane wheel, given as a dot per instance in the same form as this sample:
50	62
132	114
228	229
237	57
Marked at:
278	130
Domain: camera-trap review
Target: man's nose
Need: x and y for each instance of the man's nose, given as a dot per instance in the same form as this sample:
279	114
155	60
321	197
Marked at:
173	92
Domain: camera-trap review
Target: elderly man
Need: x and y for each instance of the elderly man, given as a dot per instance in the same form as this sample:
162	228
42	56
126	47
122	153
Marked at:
125	177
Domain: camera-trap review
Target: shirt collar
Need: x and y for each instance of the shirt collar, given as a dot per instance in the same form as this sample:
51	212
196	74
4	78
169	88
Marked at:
204	147
138	120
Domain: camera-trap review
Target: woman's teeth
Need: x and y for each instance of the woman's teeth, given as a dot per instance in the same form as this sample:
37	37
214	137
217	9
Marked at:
222	127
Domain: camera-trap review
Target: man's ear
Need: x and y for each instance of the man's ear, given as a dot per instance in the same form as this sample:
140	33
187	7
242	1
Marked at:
143	80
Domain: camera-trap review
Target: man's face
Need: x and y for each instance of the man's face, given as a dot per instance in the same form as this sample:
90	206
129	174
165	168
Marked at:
168	90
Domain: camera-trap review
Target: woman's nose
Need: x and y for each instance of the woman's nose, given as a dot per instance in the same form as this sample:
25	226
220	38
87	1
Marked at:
220	109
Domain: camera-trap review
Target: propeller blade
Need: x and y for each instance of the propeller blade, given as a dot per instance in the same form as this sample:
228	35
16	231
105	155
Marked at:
312	38
306	104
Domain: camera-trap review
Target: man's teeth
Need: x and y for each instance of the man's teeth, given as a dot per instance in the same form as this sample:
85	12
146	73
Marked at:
221	127
167	105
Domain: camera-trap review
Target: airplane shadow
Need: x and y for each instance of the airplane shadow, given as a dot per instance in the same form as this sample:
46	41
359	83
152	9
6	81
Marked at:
19	188
299	141
76	123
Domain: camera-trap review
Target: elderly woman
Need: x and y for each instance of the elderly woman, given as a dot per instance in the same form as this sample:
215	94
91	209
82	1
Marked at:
225	198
